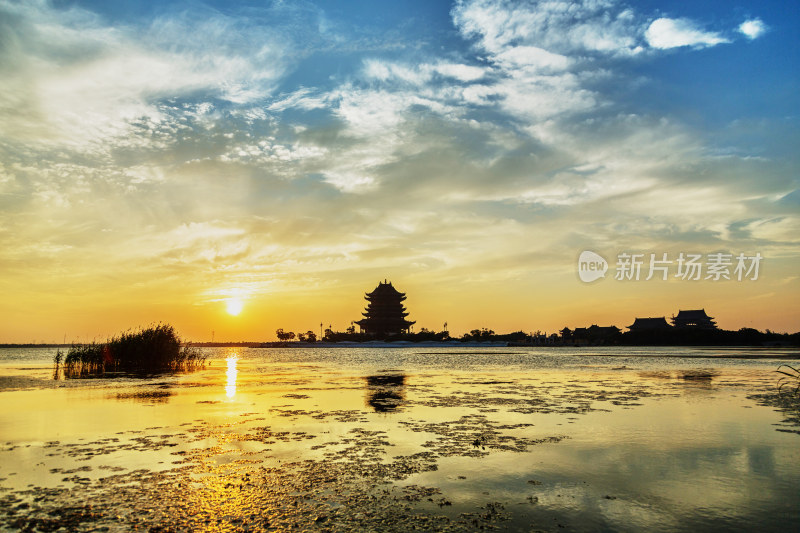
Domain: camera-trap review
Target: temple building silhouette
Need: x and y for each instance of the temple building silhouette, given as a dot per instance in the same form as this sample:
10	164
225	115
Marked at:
686	319
649	324
695	319
385	314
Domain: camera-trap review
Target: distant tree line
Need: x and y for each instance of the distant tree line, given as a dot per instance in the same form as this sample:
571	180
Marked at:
286	336
591	336
423	335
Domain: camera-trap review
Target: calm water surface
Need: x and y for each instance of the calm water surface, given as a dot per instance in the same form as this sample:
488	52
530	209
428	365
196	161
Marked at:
592	439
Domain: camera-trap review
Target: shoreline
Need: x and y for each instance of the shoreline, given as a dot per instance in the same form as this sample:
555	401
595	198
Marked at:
429	344
493	348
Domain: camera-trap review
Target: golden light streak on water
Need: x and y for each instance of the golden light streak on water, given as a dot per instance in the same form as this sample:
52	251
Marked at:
231	373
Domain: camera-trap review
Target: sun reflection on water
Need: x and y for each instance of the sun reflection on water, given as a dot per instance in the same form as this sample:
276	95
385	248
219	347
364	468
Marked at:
231	373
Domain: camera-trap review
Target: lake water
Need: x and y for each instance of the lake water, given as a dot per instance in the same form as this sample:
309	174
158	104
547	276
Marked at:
518	439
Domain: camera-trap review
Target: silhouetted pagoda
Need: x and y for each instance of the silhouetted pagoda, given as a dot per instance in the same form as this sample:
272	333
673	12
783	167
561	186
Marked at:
385	314
694	319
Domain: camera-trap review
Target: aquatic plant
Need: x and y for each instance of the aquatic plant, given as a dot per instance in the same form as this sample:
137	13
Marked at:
83	360
57	360
148	350
790	379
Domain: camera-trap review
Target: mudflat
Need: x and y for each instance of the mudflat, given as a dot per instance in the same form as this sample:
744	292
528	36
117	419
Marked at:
396	440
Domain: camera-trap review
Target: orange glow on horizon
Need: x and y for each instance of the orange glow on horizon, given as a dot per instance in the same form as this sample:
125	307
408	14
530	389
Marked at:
543	300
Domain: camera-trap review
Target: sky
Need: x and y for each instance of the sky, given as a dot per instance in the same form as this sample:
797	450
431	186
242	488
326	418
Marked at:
232	168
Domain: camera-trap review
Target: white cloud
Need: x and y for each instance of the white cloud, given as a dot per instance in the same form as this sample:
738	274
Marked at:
77	82
478	94
783	228
371	112
267	151
558	26
144	174
667	33
532	57
350	182
377	70
420	74
460	72
753	29
381	112
300	99
386	71
536	50
545	97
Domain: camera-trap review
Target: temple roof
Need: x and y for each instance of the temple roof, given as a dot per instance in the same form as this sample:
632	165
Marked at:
693	314
693	318
371	311
595	329
385	289
649	323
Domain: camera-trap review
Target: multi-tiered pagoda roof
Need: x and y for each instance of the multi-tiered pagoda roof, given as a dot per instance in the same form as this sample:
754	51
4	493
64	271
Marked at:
695	319
385	314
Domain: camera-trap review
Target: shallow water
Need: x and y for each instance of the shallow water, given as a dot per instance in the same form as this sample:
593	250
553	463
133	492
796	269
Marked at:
592	439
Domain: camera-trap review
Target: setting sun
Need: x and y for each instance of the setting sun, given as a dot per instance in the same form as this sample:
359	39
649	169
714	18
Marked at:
234	306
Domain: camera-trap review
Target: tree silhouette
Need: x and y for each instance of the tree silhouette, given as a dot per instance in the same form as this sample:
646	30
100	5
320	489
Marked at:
284	335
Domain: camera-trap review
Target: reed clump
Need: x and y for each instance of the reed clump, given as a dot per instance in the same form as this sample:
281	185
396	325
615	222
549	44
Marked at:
790	380
154	349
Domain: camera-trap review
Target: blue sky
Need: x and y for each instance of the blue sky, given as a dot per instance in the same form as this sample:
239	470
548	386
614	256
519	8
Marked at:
158	157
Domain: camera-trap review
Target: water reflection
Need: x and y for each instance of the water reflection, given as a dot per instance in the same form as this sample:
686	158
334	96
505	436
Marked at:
231	373
385	392
639	454
761	460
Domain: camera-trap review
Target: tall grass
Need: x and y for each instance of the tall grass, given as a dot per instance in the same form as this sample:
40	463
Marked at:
790	379
148	350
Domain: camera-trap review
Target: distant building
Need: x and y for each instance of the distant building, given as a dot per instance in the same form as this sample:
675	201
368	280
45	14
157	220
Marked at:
649	324
385	314
693	319
595	334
